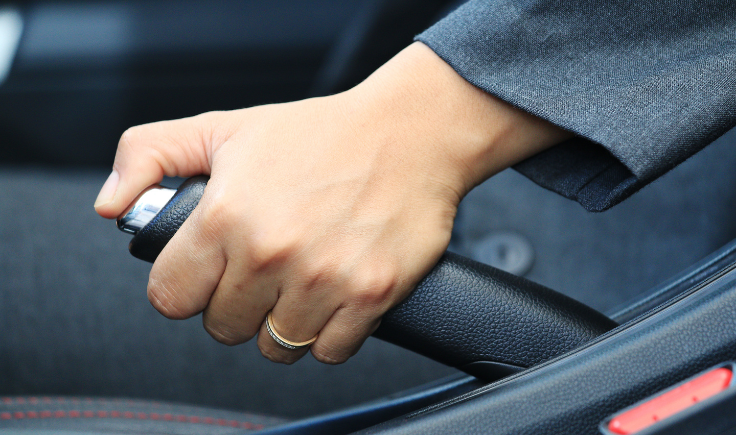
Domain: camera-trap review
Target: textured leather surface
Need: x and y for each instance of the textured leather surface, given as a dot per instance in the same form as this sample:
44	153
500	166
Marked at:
461	313
151	239
85	415
573	394
465	311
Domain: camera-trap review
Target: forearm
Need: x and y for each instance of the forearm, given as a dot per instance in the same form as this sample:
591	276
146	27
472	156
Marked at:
466	134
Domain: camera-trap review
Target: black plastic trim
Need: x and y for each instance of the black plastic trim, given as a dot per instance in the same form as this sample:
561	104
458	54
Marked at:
676	285
573	393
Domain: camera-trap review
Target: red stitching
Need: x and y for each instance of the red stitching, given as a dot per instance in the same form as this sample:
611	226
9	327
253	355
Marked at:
45	399
19	415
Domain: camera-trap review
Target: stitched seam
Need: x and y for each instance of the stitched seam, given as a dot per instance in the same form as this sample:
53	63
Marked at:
153	416
593	178
74	400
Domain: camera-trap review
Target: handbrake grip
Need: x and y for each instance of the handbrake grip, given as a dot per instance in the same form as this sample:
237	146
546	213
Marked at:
465	314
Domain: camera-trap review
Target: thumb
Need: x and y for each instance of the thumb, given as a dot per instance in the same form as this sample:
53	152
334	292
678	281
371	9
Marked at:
148	152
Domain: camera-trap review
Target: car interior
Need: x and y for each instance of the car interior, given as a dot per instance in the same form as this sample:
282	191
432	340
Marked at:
542	318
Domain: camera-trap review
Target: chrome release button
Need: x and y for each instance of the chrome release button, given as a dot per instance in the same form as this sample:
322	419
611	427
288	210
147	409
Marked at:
144	209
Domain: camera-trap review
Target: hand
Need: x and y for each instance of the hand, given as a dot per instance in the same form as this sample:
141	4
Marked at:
326	211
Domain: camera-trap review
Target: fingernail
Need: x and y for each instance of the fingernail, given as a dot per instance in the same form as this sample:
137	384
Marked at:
107	193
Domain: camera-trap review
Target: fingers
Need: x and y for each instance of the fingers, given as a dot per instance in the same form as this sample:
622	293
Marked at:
148	152
187	271
338	340
305	300
239	305
299	315
341	307
344	335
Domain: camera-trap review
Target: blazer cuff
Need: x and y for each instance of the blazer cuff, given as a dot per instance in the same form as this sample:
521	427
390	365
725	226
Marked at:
644	85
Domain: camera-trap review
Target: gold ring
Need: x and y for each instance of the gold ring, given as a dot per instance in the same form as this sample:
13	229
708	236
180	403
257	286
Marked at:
281	340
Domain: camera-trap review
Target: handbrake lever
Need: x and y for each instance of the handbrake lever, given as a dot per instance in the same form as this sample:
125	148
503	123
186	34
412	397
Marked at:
465	314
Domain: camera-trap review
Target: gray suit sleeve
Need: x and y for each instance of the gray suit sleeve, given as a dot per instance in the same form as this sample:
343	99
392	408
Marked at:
644	84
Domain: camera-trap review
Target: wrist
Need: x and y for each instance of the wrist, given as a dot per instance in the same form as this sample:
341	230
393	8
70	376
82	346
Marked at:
464	134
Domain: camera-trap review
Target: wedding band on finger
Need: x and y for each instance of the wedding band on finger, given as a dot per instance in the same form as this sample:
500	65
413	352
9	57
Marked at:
293	345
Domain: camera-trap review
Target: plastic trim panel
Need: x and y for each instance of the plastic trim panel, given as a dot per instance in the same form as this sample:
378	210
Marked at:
573	393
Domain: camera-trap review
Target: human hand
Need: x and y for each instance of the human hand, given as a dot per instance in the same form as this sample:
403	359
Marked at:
327	211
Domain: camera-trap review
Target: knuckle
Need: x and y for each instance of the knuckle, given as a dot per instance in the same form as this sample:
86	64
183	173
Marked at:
218	216
130	141
328	356
127	139
164	302
374	286
271	250
317	273
225	335
271	356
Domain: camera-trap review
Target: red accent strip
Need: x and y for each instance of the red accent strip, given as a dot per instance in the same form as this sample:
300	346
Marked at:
671	402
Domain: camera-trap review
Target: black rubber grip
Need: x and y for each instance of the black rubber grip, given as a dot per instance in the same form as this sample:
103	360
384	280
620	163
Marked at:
464	314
